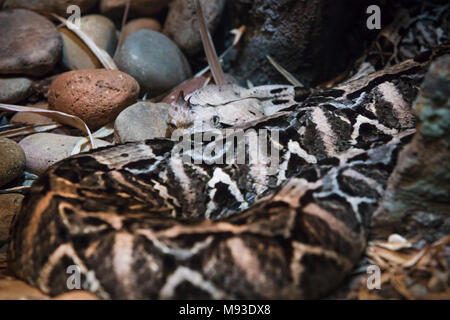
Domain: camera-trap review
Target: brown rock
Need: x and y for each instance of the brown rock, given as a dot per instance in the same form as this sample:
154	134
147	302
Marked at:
140	24
141	8
12	162
96	96
56	6
76	54
182	23
10	205
30	44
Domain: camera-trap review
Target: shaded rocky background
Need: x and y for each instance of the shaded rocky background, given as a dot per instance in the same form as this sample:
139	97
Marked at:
314	40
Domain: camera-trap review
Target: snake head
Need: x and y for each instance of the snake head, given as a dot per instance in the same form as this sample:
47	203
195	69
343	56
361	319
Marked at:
185	116
180	115
207	114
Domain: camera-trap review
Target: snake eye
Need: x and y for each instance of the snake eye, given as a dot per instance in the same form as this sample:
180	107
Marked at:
215	121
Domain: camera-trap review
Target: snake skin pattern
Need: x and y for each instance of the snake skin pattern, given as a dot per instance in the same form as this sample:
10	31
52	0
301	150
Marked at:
142	223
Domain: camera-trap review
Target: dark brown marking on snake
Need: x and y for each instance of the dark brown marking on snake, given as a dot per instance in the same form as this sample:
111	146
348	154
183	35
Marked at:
280	101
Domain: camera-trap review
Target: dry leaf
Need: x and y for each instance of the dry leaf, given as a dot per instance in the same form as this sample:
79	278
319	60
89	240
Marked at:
392	257
55	115
124	21
104	131
238	33
395	242
237	37
82	145
442	242
27	130
208	45
289	77
336	80
7	126
411	272
15	190
397	282
415	258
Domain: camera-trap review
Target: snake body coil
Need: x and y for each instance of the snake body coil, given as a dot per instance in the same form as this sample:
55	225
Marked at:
142	222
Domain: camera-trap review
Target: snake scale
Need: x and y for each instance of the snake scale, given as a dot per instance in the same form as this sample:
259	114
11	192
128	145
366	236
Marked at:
140	222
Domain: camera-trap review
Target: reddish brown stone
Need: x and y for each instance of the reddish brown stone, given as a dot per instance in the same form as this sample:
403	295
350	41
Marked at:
140	24
96	96
29	43
141	8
